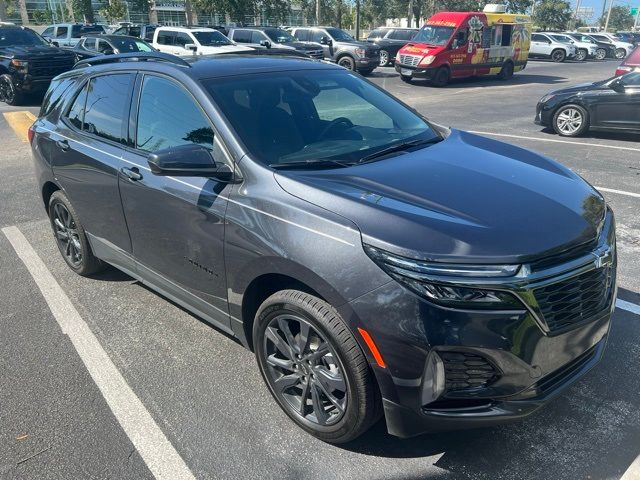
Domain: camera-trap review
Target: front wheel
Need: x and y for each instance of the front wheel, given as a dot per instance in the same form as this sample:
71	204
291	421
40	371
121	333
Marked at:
570	120
506	73
384	58
8	91
348	63
441	77
601	54
558	55
581	55
314	367
620	53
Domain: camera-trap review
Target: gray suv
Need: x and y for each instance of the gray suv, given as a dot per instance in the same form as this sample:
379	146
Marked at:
376	263
342	48
274	37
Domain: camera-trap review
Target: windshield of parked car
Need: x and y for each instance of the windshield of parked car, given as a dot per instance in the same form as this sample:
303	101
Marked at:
562	38
10	37
127	45
433	35
278	35
211	39
583	38
339	35
315	116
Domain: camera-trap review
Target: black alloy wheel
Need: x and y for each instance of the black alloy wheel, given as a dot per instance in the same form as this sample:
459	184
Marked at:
313	366
8	92
558	55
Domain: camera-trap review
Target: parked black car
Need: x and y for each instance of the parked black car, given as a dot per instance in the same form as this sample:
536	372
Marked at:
603	50
144	31
268	37
342	48
612	104
96	45
629	37
374	262
28	63
390	40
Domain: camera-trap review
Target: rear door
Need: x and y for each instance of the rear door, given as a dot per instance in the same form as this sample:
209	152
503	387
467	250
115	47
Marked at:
540	45
87	156
176	224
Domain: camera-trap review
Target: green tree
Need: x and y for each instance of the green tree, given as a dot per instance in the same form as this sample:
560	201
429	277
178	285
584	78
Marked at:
518	6
621	19
42	17
552	14
82	9
115	10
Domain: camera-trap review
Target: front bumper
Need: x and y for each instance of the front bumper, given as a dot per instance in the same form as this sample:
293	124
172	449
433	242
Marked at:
513	362
415	72
367	63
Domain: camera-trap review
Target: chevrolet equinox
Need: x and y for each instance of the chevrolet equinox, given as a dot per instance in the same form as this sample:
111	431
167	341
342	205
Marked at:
376	263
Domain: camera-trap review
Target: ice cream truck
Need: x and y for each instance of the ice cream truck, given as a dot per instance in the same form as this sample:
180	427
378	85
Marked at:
465	44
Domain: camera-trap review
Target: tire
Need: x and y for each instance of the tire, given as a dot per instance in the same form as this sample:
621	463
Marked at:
620	53
405	78
601	54
570	120
384	58
558	55
441	77
366	71
506	73
581	55
77	252
347	62
8	91
343	368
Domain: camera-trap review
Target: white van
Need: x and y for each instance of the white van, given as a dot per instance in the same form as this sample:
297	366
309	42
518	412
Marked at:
183	41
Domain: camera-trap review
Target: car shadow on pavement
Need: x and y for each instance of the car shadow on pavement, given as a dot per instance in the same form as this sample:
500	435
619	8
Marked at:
591	431
628	137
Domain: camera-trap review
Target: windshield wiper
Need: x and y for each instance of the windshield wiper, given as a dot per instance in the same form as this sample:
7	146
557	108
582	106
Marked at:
310	163
399	147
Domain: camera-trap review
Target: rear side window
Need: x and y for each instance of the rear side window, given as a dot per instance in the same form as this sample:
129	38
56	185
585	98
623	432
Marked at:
134	31
56	90
166	38
182	39
106	107
62	32
161	125
317	36
148	33
257	37
377	33
402	34
302	34
242	36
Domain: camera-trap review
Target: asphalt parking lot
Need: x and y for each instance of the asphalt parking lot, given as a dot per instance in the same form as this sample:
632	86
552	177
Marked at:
203	391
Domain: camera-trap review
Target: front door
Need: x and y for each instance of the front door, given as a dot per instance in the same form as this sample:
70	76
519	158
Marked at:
176	224
619	108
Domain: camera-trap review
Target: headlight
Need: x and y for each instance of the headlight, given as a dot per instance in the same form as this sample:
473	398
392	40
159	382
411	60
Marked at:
546	98
428	60
361	52
432	281
20	64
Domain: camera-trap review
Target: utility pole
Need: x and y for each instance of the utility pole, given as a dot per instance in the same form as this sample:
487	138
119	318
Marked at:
357	19
575	15
317	12
635	24
606	25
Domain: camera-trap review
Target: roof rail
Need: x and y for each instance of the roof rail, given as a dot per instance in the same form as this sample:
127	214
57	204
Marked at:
132	57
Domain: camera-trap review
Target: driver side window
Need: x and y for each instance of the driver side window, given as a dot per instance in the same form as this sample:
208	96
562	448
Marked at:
631	80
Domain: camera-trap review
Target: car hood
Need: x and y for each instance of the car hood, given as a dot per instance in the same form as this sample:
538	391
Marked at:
581	87
224	49
421	49
467	198
20	51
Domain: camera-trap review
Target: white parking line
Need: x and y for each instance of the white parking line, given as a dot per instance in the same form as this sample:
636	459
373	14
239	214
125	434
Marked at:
621	192
628	306
633	472
160	456
553	140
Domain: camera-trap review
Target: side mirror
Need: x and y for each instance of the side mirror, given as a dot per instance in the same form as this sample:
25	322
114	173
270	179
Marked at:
617	85
108	51
191	46
265	43
326	41
55	44
189	160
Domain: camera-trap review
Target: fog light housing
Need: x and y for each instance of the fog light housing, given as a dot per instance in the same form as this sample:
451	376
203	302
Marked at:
433	379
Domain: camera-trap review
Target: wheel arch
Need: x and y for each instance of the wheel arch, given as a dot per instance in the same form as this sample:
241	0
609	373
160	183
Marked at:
48	189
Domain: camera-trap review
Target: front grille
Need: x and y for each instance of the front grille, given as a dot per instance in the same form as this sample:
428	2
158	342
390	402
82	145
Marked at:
467	371
318	54
51	66
410	60
569	302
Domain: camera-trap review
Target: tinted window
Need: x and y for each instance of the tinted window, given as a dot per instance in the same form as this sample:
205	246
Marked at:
279	36
107	106
182	39
62	32
257	37
317	35
302	34
377	33
211	38
402	34
339	35
77	109
148	34
134	31
129	45
104	47
16	36
162	125
631	79
538	38
165	38
56	90
121	31
89	43
242	36
48	32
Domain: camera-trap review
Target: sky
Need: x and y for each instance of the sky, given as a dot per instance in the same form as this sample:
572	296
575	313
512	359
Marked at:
597	6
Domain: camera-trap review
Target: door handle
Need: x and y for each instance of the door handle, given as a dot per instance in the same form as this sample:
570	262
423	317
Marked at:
132	174
63	145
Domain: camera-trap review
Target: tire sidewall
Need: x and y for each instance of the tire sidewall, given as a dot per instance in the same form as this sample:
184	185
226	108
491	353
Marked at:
14	99
621	53
347	62
507	71
581	56
267	311
387	58
442	77
601	53
585	120
562	55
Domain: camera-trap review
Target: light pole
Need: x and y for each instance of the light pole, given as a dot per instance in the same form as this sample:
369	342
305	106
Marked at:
606	25
357	19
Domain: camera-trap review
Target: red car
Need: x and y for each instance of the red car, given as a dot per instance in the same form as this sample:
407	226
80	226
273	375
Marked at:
630	64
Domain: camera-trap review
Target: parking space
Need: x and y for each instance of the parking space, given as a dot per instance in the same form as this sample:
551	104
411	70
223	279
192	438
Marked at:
203	391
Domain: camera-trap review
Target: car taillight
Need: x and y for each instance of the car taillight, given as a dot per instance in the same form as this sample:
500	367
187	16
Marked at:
30	133
622	69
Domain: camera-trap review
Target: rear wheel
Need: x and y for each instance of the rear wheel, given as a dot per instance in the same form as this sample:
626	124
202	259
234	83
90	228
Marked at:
620	53
70	236
8	91
348	63
314	368
441	77
384	58
601	54
581	55
570	120
558	55
506	73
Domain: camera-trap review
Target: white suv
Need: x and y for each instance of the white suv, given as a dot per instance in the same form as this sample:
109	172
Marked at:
542	45
583	50
183	41
622	48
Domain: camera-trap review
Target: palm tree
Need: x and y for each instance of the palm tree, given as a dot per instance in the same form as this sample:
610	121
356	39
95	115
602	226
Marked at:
24	15
153	13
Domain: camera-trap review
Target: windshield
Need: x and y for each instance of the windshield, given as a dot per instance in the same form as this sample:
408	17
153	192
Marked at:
433	35
278	35
339	35
126	45
211	39
10	37
583	38
314	116
562	38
